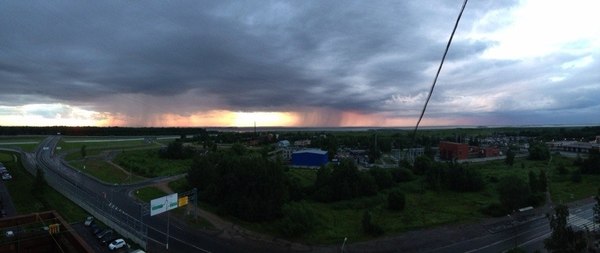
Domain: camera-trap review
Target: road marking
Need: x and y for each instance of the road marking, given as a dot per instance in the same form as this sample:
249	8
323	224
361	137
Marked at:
536	239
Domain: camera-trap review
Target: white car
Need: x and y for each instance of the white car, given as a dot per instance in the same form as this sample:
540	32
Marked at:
116	244
6	176
88	221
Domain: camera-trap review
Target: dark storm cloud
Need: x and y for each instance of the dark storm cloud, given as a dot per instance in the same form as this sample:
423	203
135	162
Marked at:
248	54
251	55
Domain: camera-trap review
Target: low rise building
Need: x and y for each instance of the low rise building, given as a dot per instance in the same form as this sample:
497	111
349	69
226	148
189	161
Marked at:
309	158
453	150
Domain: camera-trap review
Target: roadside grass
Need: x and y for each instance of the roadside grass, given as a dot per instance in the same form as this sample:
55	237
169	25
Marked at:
6	157
306	177
26	143
566	191
20	188
104	171
149	164
179	185
149	193
73	149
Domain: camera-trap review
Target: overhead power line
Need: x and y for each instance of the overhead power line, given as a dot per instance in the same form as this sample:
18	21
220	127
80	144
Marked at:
439	69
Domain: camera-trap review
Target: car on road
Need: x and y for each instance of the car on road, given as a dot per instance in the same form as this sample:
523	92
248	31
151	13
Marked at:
88	221
116	244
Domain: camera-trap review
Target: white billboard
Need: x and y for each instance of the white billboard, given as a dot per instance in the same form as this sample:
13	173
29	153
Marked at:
163	204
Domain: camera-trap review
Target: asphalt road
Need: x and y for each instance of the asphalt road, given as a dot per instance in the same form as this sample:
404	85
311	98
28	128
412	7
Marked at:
527	235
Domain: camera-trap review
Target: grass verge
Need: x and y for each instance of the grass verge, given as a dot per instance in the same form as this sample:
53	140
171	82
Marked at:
148	163
20	188
104	171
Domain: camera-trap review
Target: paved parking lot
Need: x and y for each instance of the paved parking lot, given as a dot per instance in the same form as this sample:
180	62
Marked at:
91	239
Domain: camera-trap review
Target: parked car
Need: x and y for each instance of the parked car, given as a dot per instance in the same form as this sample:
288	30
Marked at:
104	233
88	221
108	238
116	244
6	176
98	231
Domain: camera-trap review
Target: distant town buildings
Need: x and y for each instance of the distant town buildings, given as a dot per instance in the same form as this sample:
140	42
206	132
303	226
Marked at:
408	154
461	151
574	146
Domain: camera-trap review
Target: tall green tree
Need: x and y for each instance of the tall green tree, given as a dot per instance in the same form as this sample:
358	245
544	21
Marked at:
539	151
39	184
543	181
297	220
597	208
513	192
369	227
422	164
396	200
83	151
534	185
563	237
510	157
247	186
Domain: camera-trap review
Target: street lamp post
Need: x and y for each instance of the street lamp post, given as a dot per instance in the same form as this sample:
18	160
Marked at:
168	225
344	243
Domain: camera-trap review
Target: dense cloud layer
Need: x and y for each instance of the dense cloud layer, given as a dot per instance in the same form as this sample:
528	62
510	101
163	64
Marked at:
143	59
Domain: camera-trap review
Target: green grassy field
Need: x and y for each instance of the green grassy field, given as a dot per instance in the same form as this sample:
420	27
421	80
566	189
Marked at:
72	146
27	143
20	188
149	193
148	163
306	177
104	171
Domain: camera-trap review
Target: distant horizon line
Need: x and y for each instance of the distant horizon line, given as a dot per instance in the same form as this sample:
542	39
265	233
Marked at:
433	127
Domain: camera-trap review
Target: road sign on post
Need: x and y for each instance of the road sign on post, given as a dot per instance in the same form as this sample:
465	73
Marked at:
163	204
183	201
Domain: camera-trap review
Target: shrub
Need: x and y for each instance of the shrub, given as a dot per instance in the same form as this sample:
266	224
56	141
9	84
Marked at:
576	176
298	220
396	200
402	175
494	210
368	226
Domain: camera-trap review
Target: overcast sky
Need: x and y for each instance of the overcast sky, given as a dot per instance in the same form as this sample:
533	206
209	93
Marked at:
298	63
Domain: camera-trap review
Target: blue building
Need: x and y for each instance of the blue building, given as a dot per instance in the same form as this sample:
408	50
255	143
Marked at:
309	158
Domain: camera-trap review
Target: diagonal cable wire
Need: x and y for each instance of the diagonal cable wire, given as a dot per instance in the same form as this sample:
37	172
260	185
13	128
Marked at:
438	71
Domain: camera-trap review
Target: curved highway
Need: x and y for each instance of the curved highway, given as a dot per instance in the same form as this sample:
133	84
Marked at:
118	210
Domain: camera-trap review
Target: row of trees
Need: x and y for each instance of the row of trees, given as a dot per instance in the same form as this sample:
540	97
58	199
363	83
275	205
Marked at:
448	175
345	181
176	150
245	185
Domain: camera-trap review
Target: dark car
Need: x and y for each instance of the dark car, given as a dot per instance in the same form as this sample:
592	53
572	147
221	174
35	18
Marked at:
98	231
104	233
109	238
